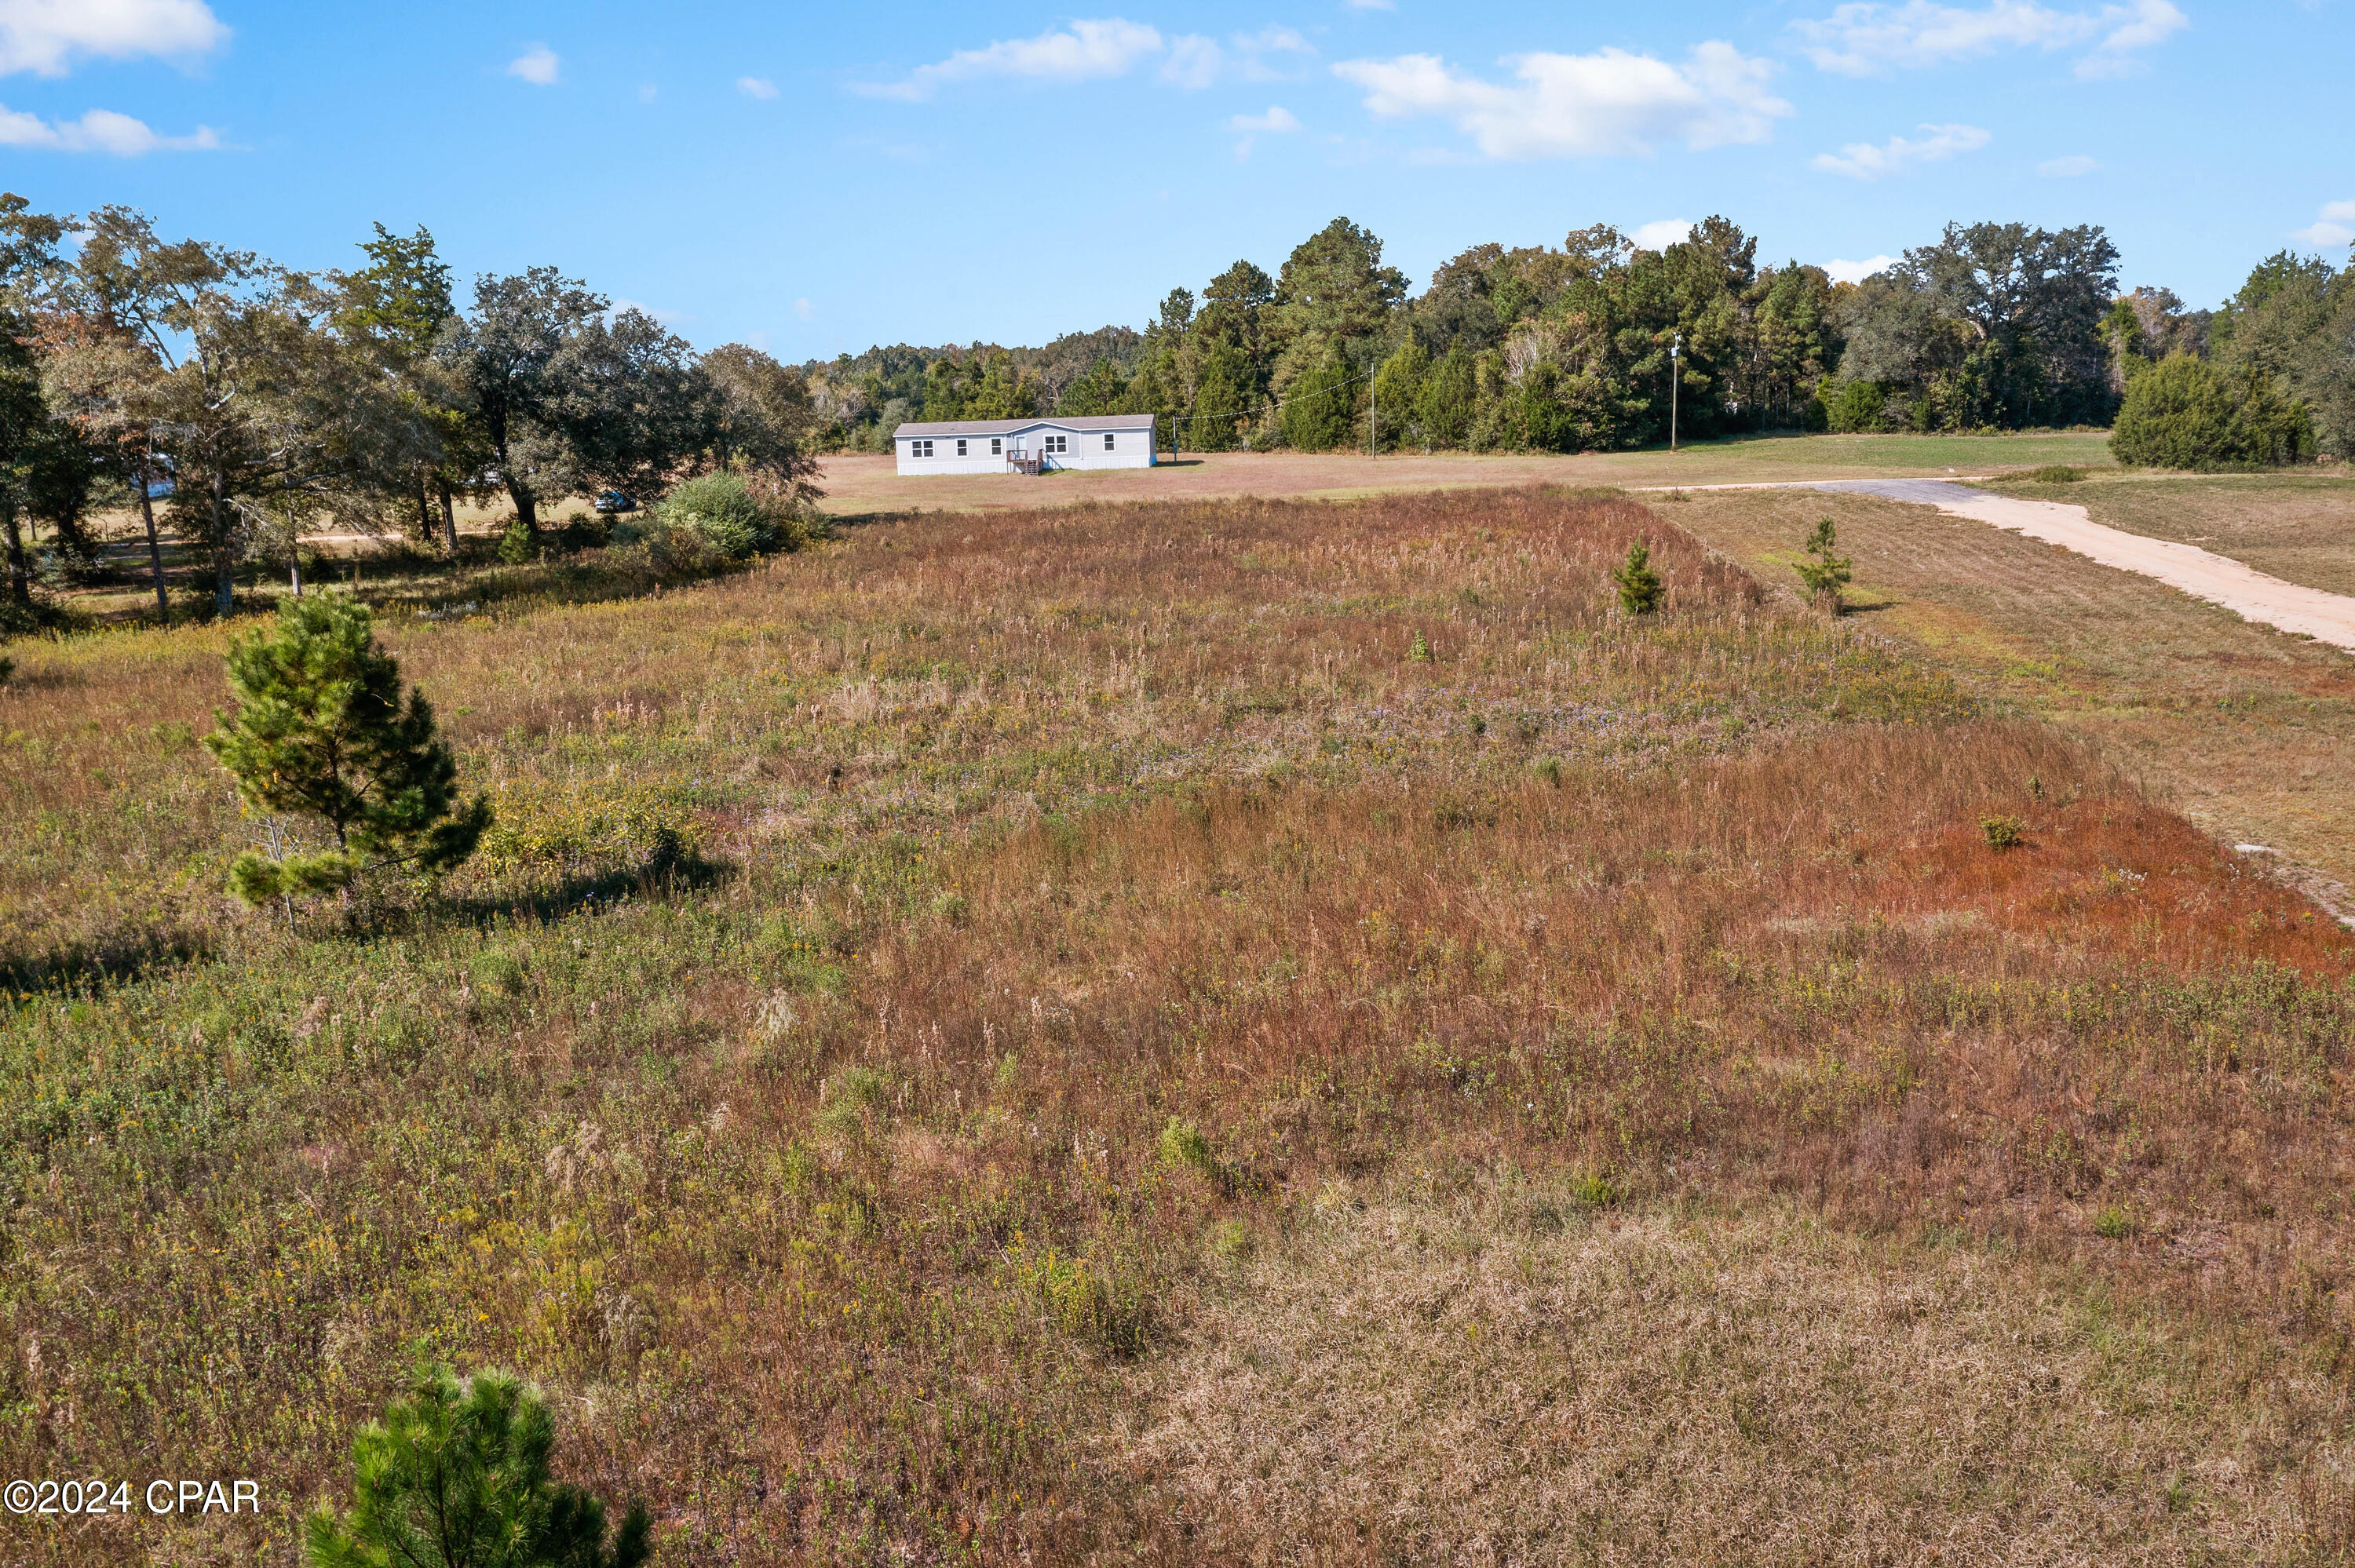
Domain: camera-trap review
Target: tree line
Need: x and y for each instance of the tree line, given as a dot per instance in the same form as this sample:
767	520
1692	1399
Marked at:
1584	347
254	401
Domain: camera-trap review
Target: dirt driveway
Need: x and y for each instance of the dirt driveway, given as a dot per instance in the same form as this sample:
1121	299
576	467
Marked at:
2303	611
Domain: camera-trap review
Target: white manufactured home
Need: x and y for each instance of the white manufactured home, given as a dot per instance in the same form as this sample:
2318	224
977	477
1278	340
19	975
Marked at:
1025	446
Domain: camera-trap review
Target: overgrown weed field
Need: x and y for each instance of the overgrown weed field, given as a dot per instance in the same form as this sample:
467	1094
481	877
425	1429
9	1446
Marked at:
1246	1031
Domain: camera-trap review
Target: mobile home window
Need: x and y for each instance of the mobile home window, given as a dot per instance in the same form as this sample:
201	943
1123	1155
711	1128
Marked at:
920	449
1059	443
1107	440
959	449
996	446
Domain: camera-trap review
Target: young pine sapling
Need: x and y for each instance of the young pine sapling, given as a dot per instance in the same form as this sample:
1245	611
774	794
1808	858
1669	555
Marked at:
321	731
1828	573
1640	588
456	1476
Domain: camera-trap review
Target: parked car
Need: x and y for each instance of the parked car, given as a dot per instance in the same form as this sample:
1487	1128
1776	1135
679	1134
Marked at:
614	500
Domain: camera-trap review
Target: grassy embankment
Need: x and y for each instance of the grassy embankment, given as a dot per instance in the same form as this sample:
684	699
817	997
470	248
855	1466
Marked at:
1118	1054
2251	731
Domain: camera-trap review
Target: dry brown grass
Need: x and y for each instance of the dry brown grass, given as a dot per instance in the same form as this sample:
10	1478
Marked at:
859	484
1492	1371
923	677
835	1194
2250	731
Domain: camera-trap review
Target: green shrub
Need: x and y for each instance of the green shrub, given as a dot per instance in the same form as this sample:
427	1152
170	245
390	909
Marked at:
1182	1144
2112	1224
498	973
514	543
730	519
1852	408
2000	833
850	1093
588	829
1640	588
1592	1189
1091	1301
2185	413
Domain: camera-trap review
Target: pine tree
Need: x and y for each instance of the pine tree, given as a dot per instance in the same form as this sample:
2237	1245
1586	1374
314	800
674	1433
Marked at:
320	730
1828	574
1639	585
456	1477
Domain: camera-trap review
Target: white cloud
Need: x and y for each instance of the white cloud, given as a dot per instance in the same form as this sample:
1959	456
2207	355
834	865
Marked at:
99	130
536	65
1111	47
1573	105
802	309
47	36
2067	168
1370	5
2334	226
1661	233
1868	40
1863	160
1858	272
756	87
648	94
1196	62
1277	118
1278	121
1083	52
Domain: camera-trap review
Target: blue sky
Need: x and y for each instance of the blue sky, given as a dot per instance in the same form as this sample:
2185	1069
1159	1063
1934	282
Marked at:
817	179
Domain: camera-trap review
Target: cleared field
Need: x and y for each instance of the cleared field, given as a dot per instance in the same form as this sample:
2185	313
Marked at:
2250	731
859	485
1241	1031
2297	527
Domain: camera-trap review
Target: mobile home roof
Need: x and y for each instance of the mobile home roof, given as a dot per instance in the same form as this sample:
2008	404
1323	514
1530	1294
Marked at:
1007	427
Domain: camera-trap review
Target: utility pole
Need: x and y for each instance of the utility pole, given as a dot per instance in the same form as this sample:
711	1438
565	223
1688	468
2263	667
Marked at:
1676	352
1374	418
